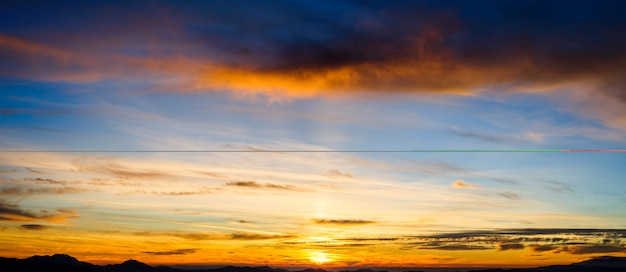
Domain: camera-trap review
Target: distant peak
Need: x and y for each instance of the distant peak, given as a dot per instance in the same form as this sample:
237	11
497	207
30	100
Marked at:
56	258
134	262
64	256
610	261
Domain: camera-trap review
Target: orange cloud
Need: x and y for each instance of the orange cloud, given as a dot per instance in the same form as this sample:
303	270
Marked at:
459	183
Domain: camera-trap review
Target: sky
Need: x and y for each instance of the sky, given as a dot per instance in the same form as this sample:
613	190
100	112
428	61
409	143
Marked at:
119	120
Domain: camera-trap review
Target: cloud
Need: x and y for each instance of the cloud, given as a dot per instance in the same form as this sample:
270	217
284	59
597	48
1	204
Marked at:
13	212
574	241
380	49
109	166
505	180
342	221
491	138
184	251
34	171
199	191
459	183
34	227
279	187
199	236
20	190
510	195
542	248
337	173
257	236
594	249
45	181
437	167
515	246
380	46
557	186
437	246
252	184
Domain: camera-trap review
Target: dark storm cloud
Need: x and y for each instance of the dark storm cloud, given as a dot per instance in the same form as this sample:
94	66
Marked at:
278	50
350	45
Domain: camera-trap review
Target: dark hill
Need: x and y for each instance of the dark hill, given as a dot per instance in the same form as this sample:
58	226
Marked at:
66	263
128	266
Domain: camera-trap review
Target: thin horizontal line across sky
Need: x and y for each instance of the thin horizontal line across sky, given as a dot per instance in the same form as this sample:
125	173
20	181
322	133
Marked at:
328	151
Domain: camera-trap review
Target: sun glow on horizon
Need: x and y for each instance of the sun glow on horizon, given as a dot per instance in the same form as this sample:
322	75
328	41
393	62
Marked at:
320	257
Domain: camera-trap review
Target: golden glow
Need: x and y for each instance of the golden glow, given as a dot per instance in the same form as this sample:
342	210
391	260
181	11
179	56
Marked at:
133	201
319	257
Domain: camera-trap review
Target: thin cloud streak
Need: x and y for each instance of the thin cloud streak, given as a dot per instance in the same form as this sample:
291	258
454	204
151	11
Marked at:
173	252
13	212
34	227
342	221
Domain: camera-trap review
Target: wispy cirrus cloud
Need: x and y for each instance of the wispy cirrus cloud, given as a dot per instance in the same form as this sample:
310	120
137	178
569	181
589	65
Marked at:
256	185
13	212
183	251
497	139
200	191
21	190
201	236
510	195
323	221
439	246
337	173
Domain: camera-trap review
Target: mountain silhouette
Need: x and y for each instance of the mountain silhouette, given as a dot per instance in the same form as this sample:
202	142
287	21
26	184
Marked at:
66	263
56	258
128	266
598	264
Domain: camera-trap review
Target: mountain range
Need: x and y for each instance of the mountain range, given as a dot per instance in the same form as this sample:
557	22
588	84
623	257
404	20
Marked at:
66	263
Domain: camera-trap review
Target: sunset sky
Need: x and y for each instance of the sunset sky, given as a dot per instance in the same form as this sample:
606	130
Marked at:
87	87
